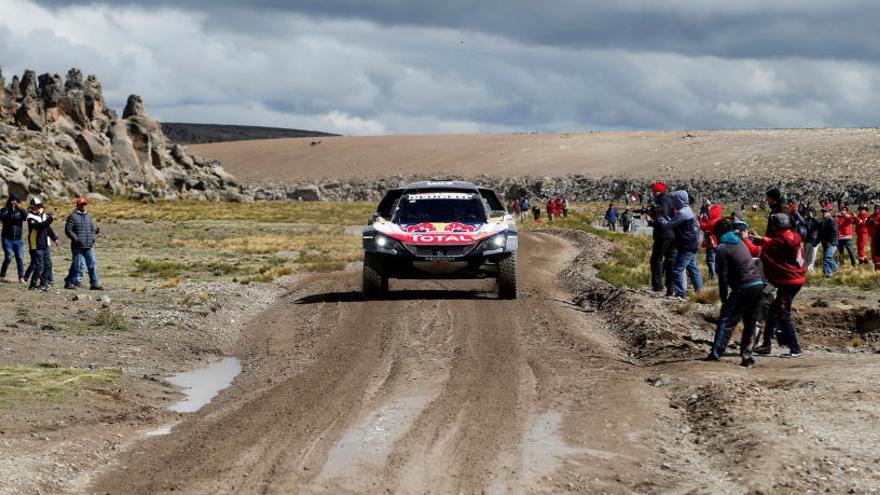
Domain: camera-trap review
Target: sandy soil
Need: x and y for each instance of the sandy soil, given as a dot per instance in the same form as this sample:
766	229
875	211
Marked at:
712	154
443	388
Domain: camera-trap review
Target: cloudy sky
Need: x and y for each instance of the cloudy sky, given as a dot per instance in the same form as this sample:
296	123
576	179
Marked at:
444	66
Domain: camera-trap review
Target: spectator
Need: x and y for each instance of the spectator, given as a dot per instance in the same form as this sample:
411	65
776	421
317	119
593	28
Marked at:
663	249
13	216
564	201
862	233
777	204
611	217
812	225
39	226
710	241
828	238
740	286
524	206
626	220
874	231
81	230
536	212
551	209
784	266
687	241
845	222
516	210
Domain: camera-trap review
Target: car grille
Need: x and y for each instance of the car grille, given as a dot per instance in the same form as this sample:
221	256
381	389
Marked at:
455	251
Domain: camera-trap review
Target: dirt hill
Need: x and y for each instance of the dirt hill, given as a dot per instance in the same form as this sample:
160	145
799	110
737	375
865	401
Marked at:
184	133
788	154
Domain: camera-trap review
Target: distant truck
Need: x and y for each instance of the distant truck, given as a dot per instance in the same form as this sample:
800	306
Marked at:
440	230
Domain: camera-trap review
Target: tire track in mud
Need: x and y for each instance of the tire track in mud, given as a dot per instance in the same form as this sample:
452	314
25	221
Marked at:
440	388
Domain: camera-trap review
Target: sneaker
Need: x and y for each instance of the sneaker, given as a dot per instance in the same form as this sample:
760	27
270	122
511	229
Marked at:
793	355
710	357
96	287
32	287
22	280
763	350
748	363
44	288
70	287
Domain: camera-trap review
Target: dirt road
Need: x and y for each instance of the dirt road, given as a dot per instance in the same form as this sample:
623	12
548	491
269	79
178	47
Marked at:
445	389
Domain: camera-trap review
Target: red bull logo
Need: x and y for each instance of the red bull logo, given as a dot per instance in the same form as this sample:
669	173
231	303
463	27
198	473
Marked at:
422	227
459	227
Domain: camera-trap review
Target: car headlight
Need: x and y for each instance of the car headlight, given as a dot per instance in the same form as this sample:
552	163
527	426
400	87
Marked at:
495	242
385	243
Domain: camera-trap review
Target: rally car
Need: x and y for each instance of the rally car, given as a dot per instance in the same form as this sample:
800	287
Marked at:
430	230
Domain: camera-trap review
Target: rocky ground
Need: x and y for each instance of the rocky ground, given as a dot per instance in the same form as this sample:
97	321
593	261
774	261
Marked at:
578	386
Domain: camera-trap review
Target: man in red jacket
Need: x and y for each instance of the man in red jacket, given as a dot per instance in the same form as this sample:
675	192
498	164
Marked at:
785	267
862	231
710	240
874	230
845	222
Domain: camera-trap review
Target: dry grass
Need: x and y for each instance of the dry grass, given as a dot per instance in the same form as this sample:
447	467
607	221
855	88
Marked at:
49	382
294	212
709	295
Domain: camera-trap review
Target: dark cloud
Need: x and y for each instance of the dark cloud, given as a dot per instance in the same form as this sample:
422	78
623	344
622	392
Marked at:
742	28
400	67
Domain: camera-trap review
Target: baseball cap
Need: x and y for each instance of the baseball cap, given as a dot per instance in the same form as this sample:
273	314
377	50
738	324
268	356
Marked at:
81	201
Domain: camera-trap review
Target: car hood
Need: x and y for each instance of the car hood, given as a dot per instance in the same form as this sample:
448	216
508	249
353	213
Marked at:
434	234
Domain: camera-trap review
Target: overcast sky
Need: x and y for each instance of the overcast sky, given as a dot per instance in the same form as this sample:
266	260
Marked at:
442	66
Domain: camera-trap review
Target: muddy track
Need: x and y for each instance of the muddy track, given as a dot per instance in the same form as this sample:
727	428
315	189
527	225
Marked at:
440	388
444	388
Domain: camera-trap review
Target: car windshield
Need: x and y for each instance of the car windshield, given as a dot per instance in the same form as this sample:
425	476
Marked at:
440	208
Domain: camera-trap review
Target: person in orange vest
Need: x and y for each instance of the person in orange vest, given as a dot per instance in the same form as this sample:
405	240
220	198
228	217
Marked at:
862	234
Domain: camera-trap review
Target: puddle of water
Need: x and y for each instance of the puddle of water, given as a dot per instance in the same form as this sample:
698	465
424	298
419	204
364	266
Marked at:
368	442
201	385
544	449
159	432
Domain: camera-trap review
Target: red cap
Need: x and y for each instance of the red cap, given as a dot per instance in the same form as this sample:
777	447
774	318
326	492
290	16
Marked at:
81	201
658	187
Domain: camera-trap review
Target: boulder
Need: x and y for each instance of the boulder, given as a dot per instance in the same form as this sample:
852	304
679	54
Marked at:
133	107
309	192
98	197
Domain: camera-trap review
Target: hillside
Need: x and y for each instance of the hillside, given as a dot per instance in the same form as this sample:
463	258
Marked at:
773	154
185	133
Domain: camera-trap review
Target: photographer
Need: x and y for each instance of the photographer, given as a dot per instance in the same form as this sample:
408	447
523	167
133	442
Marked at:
39	226
80	229
13	216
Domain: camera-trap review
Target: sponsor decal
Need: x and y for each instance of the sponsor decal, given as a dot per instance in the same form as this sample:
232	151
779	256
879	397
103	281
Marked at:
459	227
422	227
442	238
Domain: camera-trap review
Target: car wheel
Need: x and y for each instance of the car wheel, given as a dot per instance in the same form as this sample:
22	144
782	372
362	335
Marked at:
507	287
375	282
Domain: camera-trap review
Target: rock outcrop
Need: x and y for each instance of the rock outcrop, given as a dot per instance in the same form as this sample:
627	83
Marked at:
58	138
586	188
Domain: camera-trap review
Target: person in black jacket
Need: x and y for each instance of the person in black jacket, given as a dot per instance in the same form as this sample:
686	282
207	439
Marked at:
740	286
13	216
663	250
776	202
828	239
812	226
39	225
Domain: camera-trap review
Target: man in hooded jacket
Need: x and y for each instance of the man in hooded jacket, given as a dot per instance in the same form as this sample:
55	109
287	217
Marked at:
663	249
686	232
740	286
13	216
785	267
710	240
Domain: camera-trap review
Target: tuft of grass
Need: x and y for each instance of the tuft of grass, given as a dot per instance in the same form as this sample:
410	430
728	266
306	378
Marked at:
170	283
863	277
107	321
52	383
683	308
709	295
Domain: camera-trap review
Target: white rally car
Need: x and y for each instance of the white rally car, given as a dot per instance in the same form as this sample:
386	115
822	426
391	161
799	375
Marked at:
430	230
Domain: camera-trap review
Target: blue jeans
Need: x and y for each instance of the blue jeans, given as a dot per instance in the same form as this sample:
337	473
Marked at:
75	275
710	262
13	248
686	260
829	264
845	246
